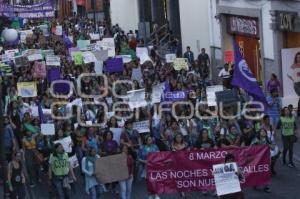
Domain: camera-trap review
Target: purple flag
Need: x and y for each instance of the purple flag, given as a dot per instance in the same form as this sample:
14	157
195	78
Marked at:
67	41
114	65
53	74
244	78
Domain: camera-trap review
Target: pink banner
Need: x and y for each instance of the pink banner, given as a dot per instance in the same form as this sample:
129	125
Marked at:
191	171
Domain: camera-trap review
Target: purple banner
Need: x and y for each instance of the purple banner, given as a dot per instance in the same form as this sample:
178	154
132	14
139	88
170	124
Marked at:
37	10
114	65
53	74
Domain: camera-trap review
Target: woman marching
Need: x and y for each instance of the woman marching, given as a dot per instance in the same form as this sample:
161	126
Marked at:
287	124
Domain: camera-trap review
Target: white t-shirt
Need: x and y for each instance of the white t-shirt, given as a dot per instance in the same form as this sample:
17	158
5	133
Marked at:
224	74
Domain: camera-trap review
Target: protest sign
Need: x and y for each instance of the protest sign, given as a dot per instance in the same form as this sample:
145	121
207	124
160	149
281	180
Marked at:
228	56
116	134
66	143
24	34
101	55
137	98
175	96
111	168
137	74
53	74
142	127
226	178
39	70
5	70
27	89
35	57
47	129
108	44
21	61
58	30
181	64
83	44
141	51
48	52
185	171
99	67
52	60
10	54
211	94
44	29
72	50
114	65
92	47
74	161
170	58
94	36
88	57
126	58
157	92
77	58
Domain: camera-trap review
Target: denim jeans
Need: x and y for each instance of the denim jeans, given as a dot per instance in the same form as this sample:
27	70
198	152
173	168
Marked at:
94	191
62	193
125	188
18	192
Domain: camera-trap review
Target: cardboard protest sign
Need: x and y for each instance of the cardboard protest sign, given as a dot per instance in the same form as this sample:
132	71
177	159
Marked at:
39	69
53	74
66	143
88	57
58	30
35	57
94	36
74	161
27	89
77	58
52	60
226	179
114	65
116	134
142	127
47	129
170	58
181	63
5	70
83	44
108	44
111	168
101	55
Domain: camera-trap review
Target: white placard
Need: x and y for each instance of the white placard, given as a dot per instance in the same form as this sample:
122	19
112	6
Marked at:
157	92
88	57
108	44
116	134
226	179
211	94
94	36
48	129
66	143
10	54
170	58
35	57
74	161
99	67
59	30
52	60
109	114
142	127
137	98
141	50
137	74
126	58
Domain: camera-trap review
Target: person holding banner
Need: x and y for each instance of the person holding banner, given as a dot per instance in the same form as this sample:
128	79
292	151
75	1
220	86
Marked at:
287	124
88	168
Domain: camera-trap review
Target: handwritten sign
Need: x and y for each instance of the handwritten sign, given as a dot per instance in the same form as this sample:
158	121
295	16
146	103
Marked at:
94	36
88	57
58	30
35	57
170	58
181	64
66	143
83	44
74	161
142	127
27	89
77	58
108	44
52	60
